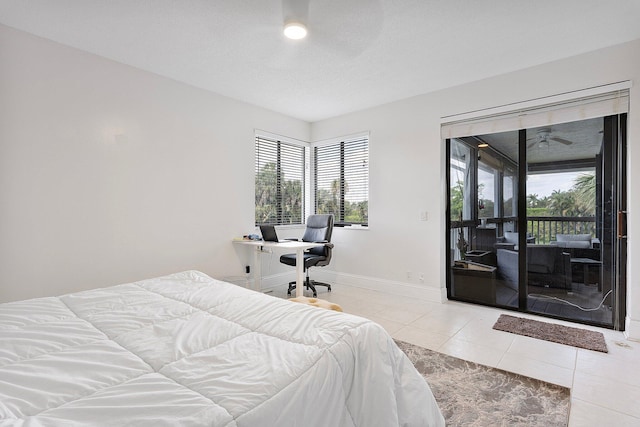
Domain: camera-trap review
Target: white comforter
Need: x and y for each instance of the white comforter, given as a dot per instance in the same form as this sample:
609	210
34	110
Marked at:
186	350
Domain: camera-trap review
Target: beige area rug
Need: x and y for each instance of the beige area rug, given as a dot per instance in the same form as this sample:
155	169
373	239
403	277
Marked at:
470	394
576	337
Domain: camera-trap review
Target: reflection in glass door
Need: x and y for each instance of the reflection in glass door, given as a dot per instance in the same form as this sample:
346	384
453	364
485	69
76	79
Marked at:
462	211
482	203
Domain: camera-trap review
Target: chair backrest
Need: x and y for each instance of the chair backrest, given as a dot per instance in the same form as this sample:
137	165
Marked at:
511	237
319	229
543	258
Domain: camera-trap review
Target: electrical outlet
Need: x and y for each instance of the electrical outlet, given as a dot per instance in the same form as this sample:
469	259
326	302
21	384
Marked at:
409	275
424	215
421	277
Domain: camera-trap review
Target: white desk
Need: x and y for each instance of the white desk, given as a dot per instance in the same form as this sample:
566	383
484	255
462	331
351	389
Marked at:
298	247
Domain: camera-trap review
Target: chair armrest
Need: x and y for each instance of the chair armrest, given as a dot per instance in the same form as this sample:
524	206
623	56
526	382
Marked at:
326	243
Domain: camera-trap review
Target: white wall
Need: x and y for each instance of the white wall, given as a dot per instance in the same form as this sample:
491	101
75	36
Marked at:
110	174
407	168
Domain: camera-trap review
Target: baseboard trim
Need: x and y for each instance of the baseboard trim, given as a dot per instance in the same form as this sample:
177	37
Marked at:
423	292
632	329
276	280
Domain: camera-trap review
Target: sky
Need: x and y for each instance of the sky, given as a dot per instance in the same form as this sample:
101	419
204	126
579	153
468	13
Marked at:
541	184
545	184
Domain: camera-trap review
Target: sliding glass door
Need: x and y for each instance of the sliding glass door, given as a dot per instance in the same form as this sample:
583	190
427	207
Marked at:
565	266
482	205
536	220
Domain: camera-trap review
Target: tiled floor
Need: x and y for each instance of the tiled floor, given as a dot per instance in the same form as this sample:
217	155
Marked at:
605	388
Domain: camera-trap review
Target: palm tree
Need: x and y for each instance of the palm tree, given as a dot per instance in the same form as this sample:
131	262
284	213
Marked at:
532	200
268	209
562	203
584	187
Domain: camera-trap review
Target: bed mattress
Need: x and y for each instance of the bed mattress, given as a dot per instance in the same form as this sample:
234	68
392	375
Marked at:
188	350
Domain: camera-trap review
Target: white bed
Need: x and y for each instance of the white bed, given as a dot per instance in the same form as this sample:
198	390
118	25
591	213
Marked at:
186	349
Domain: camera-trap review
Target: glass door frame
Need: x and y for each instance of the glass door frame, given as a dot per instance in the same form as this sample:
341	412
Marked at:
614	215
614	240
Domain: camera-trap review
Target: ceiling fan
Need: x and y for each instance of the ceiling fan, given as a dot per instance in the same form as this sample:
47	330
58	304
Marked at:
544	136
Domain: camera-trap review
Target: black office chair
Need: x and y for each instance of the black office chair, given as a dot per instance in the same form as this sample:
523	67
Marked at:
319	228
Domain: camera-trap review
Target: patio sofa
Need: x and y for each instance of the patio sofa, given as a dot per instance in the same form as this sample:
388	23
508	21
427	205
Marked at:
548	265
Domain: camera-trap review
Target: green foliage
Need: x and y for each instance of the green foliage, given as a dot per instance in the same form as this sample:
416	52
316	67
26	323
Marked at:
328	202
280	201
562	203
266	202
268	210
580	200
356	213
456	201
533	201
585	190
537	212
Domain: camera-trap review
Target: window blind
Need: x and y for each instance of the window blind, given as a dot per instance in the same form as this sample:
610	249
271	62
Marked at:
279	182
580	105
341	172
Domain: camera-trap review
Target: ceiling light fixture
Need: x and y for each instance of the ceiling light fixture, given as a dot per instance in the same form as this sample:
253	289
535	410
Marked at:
295	30
483	145
543	143
295	16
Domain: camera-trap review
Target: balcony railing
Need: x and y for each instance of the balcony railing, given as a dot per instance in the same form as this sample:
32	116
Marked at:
545	228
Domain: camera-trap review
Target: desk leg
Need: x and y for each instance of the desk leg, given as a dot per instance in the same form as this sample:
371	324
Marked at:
257	270
299	272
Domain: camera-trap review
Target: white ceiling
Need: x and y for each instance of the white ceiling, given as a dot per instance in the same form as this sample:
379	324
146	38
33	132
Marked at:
581	140
359	53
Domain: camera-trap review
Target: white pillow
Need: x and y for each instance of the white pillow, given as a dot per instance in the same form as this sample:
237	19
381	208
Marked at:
573	237
582	241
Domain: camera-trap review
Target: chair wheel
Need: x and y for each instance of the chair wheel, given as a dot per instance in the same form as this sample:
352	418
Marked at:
315	295
289	293
329	288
